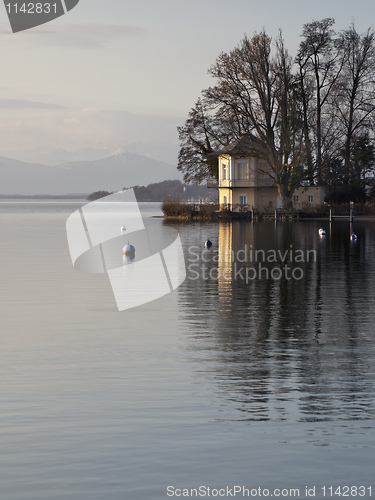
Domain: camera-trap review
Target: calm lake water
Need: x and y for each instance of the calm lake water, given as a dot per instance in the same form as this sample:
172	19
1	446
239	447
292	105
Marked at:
246	375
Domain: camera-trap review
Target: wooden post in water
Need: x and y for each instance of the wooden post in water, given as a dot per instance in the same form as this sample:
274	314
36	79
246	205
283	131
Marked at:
330	214
351	211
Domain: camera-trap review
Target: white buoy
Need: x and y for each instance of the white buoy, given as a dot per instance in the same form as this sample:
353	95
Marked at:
128	250
322	232
208	244
353	236
123	229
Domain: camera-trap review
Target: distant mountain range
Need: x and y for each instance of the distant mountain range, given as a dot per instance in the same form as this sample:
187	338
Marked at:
112	173
166	152
59	156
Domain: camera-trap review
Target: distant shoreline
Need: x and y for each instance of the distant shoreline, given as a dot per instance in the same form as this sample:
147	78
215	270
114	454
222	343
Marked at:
43	196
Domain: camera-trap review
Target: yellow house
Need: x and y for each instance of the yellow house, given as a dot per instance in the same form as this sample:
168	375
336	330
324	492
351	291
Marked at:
247	182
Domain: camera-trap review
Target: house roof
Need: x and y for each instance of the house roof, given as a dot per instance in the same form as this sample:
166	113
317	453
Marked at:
245	145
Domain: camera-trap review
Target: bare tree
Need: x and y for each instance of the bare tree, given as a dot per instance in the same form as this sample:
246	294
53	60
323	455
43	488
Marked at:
198	138
320	66
312	120
306	93
355	94
255	92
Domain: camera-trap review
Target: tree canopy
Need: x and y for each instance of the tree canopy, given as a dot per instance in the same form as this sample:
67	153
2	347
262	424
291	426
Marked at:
312	115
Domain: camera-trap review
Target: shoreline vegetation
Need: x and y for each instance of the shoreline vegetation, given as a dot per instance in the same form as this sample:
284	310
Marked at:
199	202
169	189
177	209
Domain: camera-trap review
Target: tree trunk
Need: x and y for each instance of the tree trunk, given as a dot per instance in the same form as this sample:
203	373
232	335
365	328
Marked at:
285	196
318	134
306	127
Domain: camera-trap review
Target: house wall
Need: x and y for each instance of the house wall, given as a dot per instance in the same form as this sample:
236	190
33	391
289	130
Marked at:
308	196
231	172
254	183
259	198
225	197
266	198
225	167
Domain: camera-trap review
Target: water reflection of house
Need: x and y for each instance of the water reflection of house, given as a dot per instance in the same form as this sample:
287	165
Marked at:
247	181
225	270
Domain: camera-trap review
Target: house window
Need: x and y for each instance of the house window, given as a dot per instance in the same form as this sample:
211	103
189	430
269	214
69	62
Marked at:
243	200
296	199
243	171
310	198
225	172
225	201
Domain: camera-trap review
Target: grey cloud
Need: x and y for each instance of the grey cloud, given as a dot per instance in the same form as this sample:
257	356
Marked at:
22	104
84	35
96	35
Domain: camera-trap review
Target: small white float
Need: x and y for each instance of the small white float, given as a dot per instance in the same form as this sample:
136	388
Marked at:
322	232
353	236
123	229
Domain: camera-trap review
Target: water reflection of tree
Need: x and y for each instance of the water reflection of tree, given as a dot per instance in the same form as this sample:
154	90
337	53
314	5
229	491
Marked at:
290	349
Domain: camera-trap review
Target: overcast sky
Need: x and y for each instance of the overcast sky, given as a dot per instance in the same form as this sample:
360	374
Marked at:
144	57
